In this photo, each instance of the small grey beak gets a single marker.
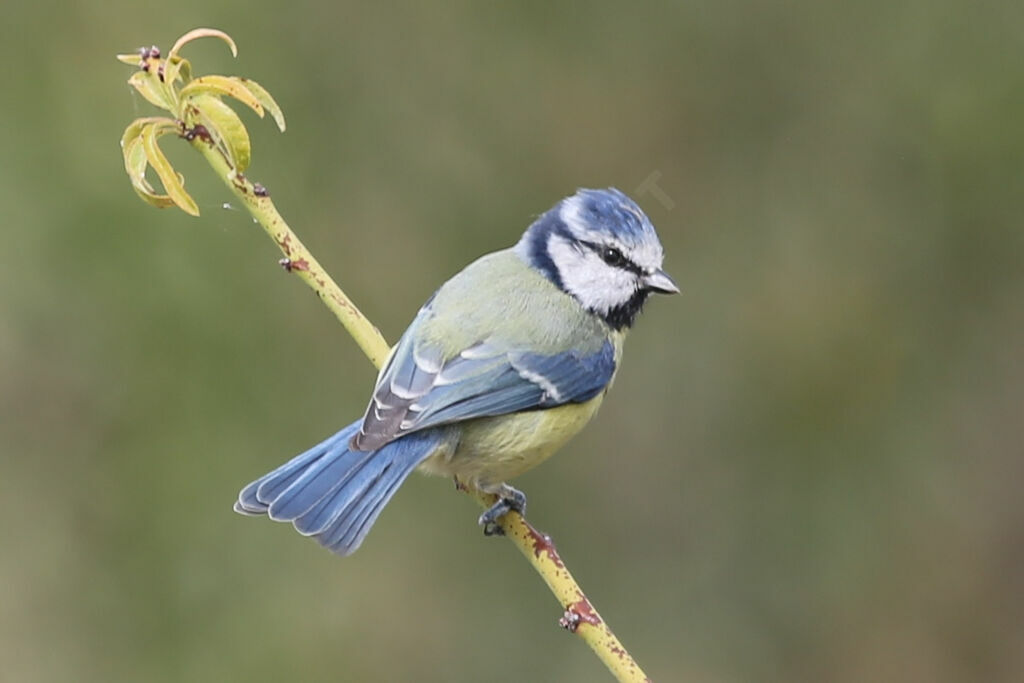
(659, 281)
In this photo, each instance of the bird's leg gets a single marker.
(509, 499)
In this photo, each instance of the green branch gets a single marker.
(200, 116)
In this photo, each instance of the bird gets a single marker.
(502, 365)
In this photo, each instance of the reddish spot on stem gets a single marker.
(286, 244)
(581, 611)
(542, 543)
(298, 264)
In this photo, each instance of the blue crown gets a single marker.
(613, 213)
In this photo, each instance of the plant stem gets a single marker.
(298, 259)
(580, 617)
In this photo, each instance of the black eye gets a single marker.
(613, 257)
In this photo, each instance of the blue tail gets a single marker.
(335, 494)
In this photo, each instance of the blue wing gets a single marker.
(420, 389)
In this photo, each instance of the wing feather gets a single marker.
(420, 390)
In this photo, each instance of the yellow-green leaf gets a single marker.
(223, 85)
(134, 128)
(266, 100)
(160, 201)
(203, 33)
(135, 163)
(135, 160)
(150, 88)
(173, 183)
(176, 67)
(225, 127)
(132, 58)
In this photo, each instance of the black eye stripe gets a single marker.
(613, 257)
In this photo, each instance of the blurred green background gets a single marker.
(810, 467)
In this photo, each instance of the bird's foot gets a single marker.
(509, 500)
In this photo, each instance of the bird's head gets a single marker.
(599, 247)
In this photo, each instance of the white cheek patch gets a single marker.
(593, 282)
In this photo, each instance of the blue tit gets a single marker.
(504, 363)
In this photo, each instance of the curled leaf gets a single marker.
(203, 33)
(151, 89)
(177, 67)
(266, 100)
(160, 201)
(226, 129)
(223, 85)
(135, 163)
(134, 128)
(135, 159)
(172, 182)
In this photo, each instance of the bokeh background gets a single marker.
(810, 467)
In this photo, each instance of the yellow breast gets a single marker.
(493, 450)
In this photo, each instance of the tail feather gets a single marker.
(339, 468)
(255, 498)
(271, 486)
(347, 533)
(347, 490)
(335, 494)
